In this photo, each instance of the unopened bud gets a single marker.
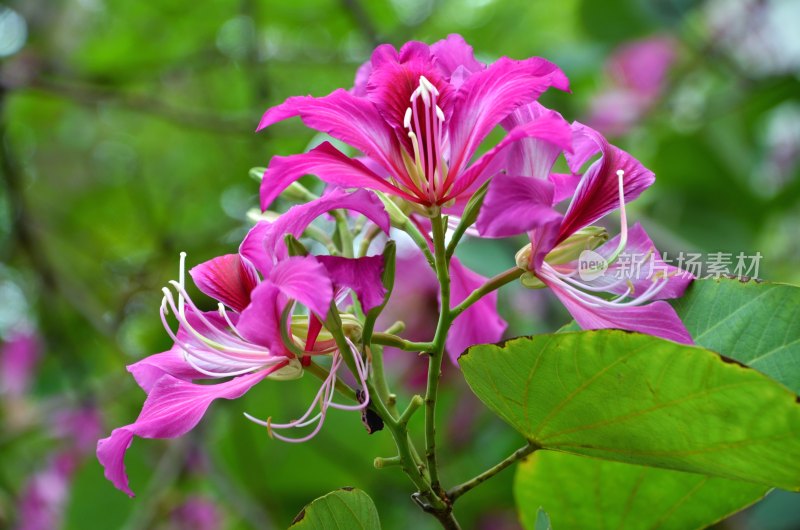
(523, 257)
(570, 249)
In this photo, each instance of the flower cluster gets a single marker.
(417, 117)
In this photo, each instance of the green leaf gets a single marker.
(643, 400)
(542, 520)
(344, 508)
(587, 493)
(755, 323)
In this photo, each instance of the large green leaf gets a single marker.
(643, 400)
(755, 323)
(344, 508)
(582, 493)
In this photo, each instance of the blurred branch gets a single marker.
(92, 95)
(362, 19)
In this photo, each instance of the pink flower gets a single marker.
(638, 71)
(520, 203)
(18, 359)
(197, 513)
(418, 115)
(44, 499)
(246, 340)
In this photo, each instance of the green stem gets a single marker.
(388, 339)
(519, 454)
(435, 361)
(345, 235)
(378, 374)
(492, 284)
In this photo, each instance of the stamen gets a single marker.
(407, 118)
(623, 218)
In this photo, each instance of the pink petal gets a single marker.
(150, 369)
(172, 409)
(535, 156)
(564, 185)
(394, 78)
(252, 248)
(327, 163)
(260, 322)
(479, 324)
(639, 264)
(549, 129)
(598, 192)
(226, 278)
(656, 318)
(514, 205)
(304, 279)
(362, 275)
(489, 96)
(453, 53)
(299, 217)
(353, 120)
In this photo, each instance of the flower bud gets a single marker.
(523, 257)
(570, 249)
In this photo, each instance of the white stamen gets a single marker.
(439, 113)
(423, 82)
(407, 118)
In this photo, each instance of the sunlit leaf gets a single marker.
(642, 400)
(584, 493)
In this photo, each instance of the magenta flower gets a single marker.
(18, 358)
(244, 341)
(197, 513)
(418, 116)
(520, 203)
(638, 72)
(44, 498)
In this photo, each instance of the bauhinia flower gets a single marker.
(418, 116)
(638, 73)
(627, 268)
(254, 334)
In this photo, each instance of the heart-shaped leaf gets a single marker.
(643, 400)
(343, 508)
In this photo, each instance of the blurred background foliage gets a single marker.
(127, 135)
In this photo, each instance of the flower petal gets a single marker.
(480, 323)
(304, 279)
(656, 318)
(551, 134)
(514, 205)
(639, 265)
(362, 275)
(297, 218)
(172, 409)
(489, 96)
(453, 53)
(150, 369)
(346, 117)
(252, 248)
(564, 185)
(327, 163)
(395, 76)
(226, 278)
(598, 191)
